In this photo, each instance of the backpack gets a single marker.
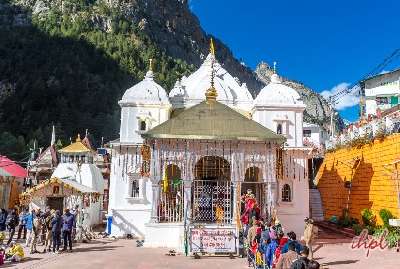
(299, 264)
(12, 220)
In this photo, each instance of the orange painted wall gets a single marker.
(373, 186)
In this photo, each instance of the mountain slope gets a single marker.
(63, 69)
(68, 62)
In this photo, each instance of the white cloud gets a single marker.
(344, 101)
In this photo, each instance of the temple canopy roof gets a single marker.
(213, 120)
(76, 147)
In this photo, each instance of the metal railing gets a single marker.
(212, 201)
(171, 203)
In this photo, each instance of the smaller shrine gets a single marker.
(75, 181)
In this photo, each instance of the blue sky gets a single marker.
(324, 44)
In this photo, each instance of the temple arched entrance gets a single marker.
(211, 191)
(170, 205)
(253, 182)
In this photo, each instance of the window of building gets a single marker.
(307, 133)
(286, 193)
(279, 128)
(142, 125)
(134, 189)
(382, 100)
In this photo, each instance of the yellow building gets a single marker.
(361, 177)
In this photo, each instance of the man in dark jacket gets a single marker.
(12, 222)
(302, 262)
(56, 225)
(68, 224)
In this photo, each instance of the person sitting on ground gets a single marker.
(15, 253)
(292, 238)
(286, 259)
(303, 261)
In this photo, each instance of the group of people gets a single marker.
(48, 228)
(267, 245)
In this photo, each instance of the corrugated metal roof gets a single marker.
(215, 121)
(10, 168)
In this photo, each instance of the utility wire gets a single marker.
(388, 60)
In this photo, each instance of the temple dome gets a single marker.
(228, 89)
(145, 92)
(276, 93)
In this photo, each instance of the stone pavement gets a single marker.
(118, 254)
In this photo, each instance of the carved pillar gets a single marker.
(236, 186)
(187, 210)
(155, 200)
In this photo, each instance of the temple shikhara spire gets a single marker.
(211, 93)
(212, 48)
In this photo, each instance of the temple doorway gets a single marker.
(211, 191)
(253, 182)
(56, 203)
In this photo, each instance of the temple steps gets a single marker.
(316, 209)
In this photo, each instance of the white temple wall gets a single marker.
(290, 118)
(129, 213)
(131, 116)
(291, 214)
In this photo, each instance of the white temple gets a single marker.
(183, 161)
(76, 180)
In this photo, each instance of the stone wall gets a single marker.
(374, 183)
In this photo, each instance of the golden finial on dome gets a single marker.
(150, 64)
(211, 93)
(274, 67)
(78, 139)
(212, 49)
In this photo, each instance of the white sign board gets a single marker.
(213, 240)
(394, 222)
